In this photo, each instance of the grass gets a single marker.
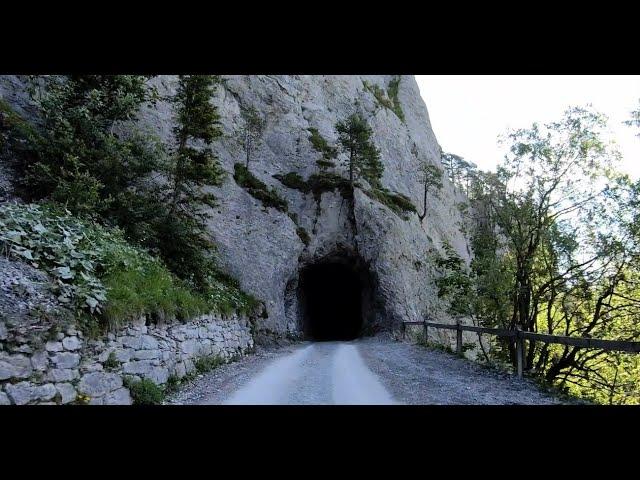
(392, 92)
(321, 145)
(258, 189)
(206, 364)
(398, 203)
(104, 280)
(147, 392)
(144, 287)
(293, 180)
(149, 289)
(201, 365)
(111, 363)
(388, 99)
(144, 392)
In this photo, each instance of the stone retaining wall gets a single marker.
(70, 368)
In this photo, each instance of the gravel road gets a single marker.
(369, 371)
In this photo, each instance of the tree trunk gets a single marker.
(351, 168)
(424, 211)
(247, 142)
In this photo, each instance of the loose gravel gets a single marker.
(412, 374)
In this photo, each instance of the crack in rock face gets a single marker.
(266, 249)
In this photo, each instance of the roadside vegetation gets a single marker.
(555, 234)
(118, 243)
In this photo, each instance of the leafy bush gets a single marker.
(321, 145)
(68, 249)
(392, 92)
(398, 203)
(323, 164)
(206, 364)
(293, 180)
(144, 392)
(388, 99)
(224, 295)
(111, 363)
(328, 182)
(318, 183)
(258, 189)
(96, 272)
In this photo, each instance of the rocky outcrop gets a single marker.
(262, 247)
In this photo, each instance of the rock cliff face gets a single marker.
(260, 245)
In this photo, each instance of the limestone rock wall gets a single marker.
(66, 367)
(259, 246)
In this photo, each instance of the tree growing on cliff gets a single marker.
(354, 135)
(88, 155)
(253, 128)
(430, 178)
(182, 241)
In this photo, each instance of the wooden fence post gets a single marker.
(426, 332)
(458, 338)
(404, 331)
(519, 352)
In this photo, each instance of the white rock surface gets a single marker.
(260, 247)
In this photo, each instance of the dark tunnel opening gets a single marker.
(333, 298)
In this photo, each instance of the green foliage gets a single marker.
(202, 365)
(460, 172)
(103, 278)
(258, 189)
(329, 182)
(304, 236)
(363, 160)
(293, 180)
(180, 230)
(555, 242)
(71, 251)
(431, 178)
(224, 295)
(388, 99)
(16, 134)
(455, 283)
(144, 392)
(321, 145)
(318, 183)
(88, 155)
(379, 94)
(139, 285)
(324, 164)
(398, 203)
(111, 363)
(392, 92)
(206, 364)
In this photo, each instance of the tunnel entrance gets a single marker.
(334, 298)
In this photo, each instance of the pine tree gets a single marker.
(183, 241)
(354, 135)
(430, 177)
(88, 155)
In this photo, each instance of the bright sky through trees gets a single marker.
(469, 112)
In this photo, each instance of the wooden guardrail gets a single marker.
(520, 336)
